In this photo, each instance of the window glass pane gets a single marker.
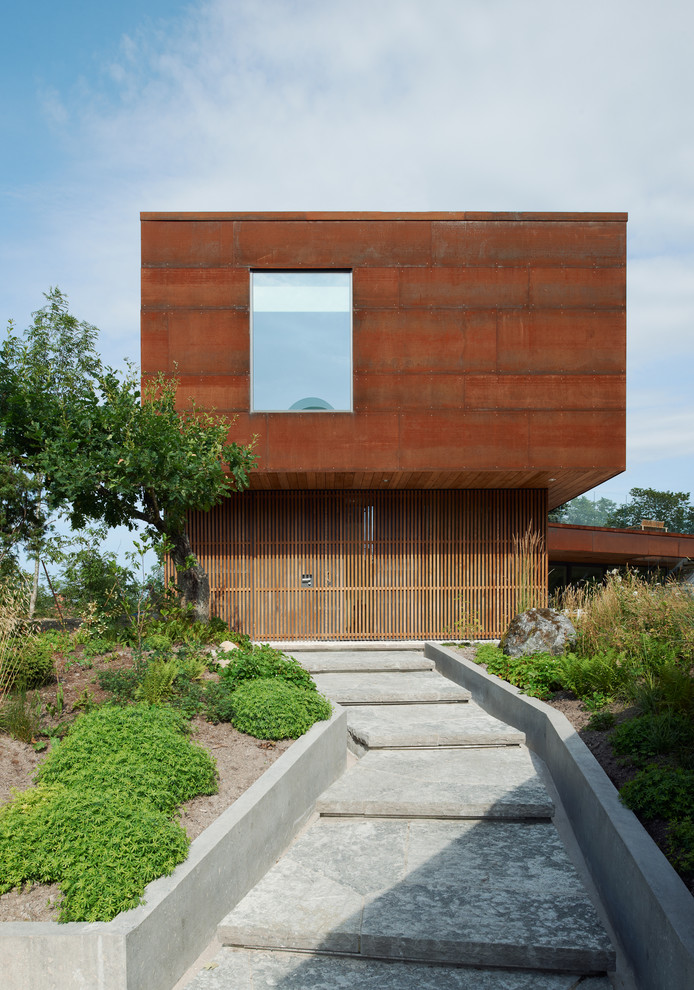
(302, 340)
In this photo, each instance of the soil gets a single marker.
(240, 760)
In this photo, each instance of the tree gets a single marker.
(672, 508)
(107, 451)
(583, 511)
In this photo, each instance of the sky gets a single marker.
(112, 109)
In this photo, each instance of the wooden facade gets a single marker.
(488, 377)
(373, 565)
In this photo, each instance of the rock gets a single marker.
(539, 630)
(228, 646)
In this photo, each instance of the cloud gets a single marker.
(658, 429)
(400, 104)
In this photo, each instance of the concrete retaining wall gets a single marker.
(153, 945)
(650, 909)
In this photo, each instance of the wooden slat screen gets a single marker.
(370, 565)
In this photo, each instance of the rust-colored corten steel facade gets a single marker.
(487, 374)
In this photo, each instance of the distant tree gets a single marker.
(104, 451)
(558, 513)
(583, 511)
(672, 508)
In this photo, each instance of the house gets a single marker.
(423, 387)
(580, 554)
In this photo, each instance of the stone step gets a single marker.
(489, 894)
(363, 661)
(399, 726)
(247, 969)
(448, 783)
(413, 687)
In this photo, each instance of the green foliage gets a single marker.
(31, 660)
(600, 721)
(660, 792)
(636, 617)
(605, 673)
(671, 688)
(157, 641)
(20, 715)
(123, 683)
(97, 646)
(99, 821)
(537, 675)
(141, 749)
(217, 702)
(681, 845)
(102, 449)
(672, 508)
(583, 511)
(266, 662)
(93, 577)
(271, 708)
(650, 735)
(103, 848)
(157, 684)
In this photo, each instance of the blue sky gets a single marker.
(109, 109)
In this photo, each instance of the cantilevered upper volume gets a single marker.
(399, 350)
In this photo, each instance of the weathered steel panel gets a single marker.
(484, 345)
(332, 244)
(527, 242)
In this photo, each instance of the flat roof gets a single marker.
(603, 545)
(474, 215)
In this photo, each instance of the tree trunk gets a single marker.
(193, 582)
(34, 589)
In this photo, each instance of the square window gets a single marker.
(301, 341)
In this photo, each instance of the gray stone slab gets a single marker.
(244, 969)
(384, 726)
(447, 783)
(389, 688)
(334, 661)
(497, 894)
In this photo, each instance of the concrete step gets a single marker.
(399, 726)
(413, 687)
(244, 969)
(448, 783)
(364, 661)
(488, 894)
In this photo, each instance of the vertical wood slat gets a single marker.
(384, 565)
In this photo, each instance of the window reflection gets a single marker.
(302, 340)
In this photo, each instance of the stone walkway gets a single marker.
(432, 863)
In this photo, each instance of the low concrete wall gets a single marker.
(153, 945)
(650, 909)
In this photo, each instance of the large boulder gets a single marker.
(539, 630)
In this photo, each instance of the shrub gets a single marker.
(20, 715)
(141, 749)
(680, 845)
(99, 820)
(537, 675)
(266, 662)
(157, 684)
(270, 708)
(646, 620)
(650, 735)
(600, 721)
(31, 662)
(217, 702)
(607, 673)
(660, 792)
(671, 688)
(102, 847)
